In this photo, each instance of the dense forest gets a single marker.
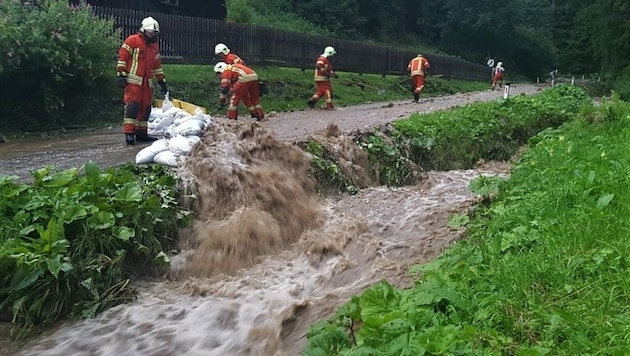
(579, 37)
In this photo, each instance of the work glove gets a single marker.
(163, 87)
(122, 80)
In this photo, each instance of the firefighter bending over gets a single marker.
(239, 83)
(225, 55)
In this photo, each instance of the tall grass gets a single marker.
(544, 270)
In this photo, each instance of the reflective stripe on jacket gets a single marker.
(323, 69)
(418, 65)
(140, 60)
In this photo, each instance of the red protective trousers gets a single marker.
(324, 89)
(418, 83)
(249, 93)
(138, 100)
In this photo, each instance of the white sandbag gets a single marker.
(171, 132)
(167, 158)
(163, 123)
(180, 119)
(172, 111)
(155, 133)
(145, 155)
(182, 145)
(190, 127)
(160, 145)
(193, 139)
(167, 104)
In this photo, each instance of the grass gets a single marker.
(544, 270)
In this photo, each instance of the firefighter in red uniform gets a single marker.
(240, 83)
(138, 61)
(225, 55)
(323, 72)
(417, 68)
(499, 71)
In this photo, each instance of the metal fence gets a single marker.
(185, 39)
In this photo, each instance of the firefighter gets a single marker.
(225, 55)
(323, 72)
(138, 61)
(239, 83)
(417, 69)
(499, 71)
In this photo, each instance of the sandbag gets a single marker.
(167, 158)
(145, 156)
(180, 145)
(190, 127)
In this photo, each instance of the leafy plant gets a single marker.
(70, 242)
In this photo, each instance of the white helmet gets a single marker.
(500, 64)
(220, 67)
(329, 51)
(221, 48)
(149, 23)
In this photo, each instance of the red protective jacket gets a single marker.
(237, 73)
(139, 60)
(323, 69)
(232, 58)
(418, 66)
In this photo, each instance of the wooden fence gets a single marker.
(185, 39)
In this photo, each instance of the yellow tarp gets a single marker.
(190, 108)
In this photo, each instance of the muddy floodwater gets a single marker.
(267, 256)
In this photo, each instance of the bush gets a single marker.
(71, 241)
(52, 53)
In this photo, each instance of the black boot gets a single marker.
(311, 104)
(145, 138)
(130, 139)
(416, 97)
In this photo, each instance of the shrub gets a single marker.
(52, 52)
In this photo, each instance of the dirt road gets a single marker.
(106, 147)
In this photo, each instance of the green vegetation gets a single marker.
(450, 139)
(71, 240)
(530, 37)
(543, 270)
(52, 64)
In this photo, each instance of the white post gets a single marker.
(573, 80)
(537, 80)
(506, 91)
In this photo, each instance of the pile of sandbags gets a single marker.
(178, 130)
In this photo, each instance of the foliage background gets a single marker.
(530, 37)
(53, 57)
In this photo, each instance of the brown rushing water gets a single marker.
(268, 258)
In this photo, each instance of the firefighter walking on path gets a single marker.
(138, 61)
(323, 72)
(225, 55)
(239, 83)
(499, 71)
(417, 68)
